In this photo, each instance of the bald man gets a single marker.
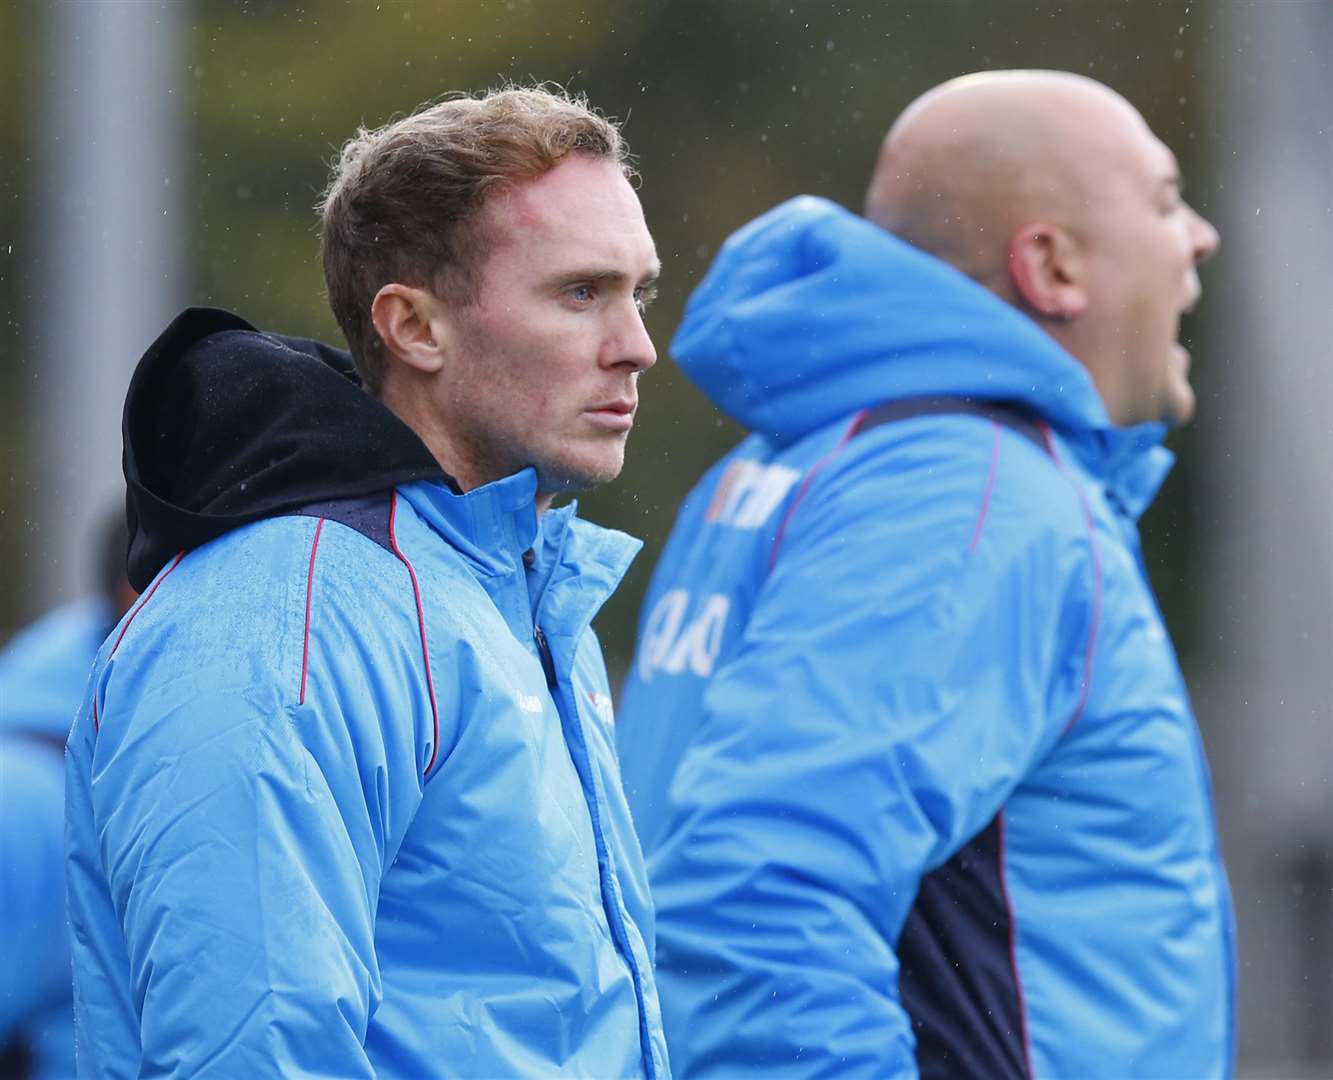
(905, 737)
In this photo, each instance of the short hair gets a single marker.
(404, 201)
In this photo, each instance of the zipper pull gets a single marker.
(544, 651)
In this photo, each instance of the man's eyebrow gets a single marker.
(603, 274)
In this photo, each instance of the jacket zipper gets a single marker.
(544, 651)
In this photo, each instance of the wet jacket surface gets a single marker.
(905, 737)
(43, 672)
(336, 807)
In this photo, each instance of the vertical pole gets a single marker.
(109, 230)
(1267, 704)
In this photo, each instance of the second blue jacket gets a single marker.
(905, 735)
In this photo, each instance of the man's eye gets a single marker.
(581, 294)
(645, 295)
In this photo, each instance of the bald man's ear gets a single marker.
(1047, 271)
(411, 323)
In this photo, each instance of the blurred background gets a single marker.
(158, 154)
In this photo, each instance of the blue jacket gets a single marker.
(905, 737)
(43, 672)
(343, 799)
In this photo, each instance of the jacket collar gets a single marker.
(1129, 462)
(491, 526)
(575, 566)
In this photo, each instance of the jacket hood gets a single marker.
(225, 425)
(810, 313)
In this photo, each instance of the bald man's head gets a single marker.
(1041, 185)
(972, 159)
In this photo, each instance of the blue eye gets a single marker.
(581, 294)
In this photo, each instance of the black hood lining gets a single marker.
(225, 425)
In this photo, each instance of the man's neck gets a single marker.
(463, 462)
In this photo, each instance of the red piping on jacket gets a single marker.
(852, 429)
(1090, 654)
(309, 589)
(143, 602)
(990, 486)
(421, 623)
(1013, 947)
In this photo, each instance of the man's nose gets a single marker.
(632, 346)
(1203, 236)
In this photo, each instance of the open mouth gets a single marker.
(1178, 346)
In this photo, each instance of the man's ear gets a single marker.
(411, 323)
(1047, 270)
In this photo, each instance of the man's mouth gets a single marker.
(615, 415)
(1192, 297)
(1178, 348)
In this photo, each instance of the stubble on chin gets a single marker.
(571, 477)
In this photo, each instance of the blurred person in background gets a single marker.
(905, 738)
(43, 672)
(343, 796)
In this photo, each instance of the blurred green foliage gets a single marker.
(730, 106)
(16, 81)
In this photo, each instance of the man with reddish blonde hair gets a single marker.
(404, 198)
(342, 797)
